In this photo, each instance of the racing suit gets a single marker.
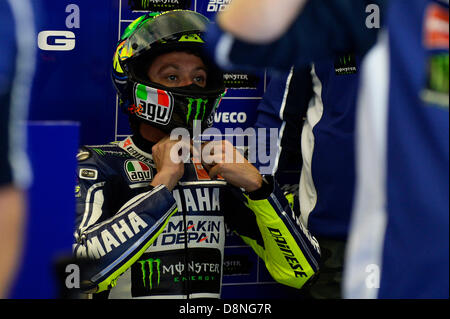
(147, 242)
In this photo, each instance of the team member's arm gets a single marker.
(319, 30)
(17, 64)
(264, 219)
(258, 21)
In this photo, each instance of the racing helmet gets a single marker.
(145, 101)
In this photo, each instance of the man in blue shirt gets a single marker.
(16, 72)
(399, 229)
(313, 108)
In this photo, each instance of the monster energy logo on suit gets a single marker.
(149, 268)
(345, 64)
(437, 88)
(166, 272)
(158, 5)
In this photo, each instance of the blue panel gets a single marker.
(50, 218)
(75, 85)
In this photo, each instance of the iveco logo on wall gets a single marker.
(61, 40)
(230, 117)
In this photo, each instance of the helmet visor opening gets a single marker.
(139, 66)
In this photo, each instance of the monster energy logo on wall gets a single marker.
(345, 64)
(150, 268)
(200, 108)
(158, 5)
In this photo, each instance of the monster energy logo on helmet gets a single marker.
(200, 108)
(151, 268)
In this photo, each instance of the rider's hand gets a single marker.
(222, 158)
(169, 164)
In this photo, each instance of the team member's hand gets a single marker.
(222, 158)
(169, 165)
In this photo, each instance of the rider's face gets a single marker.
(176, 69)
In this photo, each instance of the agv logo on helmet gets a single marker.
(154, 105)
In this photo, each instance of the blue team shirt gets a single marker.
(331, 140)
(7, 71)
(414, 259)
(333, 160)
(17, 63)
(416, 245)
